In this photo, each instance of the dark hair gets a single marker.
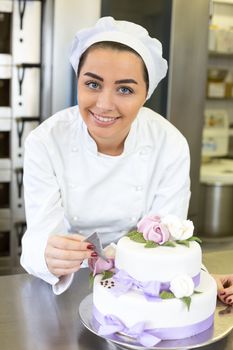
(115, 46)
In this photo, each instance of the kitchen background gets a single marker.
(36, 80)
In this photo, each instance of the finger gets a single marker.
(74, 236)
(64, 272)
(219, 281)
(221, 298)
(61, 254)
(229, 300)
(79, 238)
(64, 264)
(67, 243)
(228, 291)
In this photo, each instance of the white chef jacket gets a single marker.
(70, 187)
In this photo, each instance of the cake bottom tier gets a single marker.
(168, 319)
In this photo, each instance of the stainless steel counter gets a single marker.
(33, 318)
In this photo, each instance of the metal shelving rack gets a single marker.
(20, 101)
(222, 17)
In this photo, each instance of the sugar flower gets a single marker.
(99, 265)
(182, 286)
(179, 229)
(153, 229)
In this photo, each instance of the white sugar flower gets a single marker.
(174, 225)
(188, 229)
(182, 286)
(110, 251)
(179, 229)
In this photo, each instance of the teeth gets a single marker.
(104, 119)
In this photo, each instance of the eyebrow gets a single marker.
(121, 81)
(95, 76)
(126, 81)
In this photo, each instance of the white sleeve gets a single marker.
(44, 212)
(173, 194)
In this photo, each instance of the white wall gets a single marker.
(69, 17)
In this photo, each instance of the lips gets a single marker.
(103, 120)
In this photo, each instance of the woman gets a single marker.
(104, 164)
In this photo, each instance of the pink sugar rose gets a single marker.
(99, 265)
(153, 230)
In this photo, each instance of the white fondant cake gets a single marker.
(155, 293)
(158, 264)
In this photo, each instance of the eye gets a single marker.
(93, 85)
(124, 90)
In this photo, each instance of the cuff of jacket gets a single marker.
(63, 284)
(33, 260)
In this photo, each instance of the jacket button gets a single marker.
(144, 151)
(74, 149)
(75, 218)
(138, 188)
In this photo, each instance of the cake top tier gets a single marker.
(161, 263)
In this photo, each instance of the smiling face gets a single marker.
(111, 90)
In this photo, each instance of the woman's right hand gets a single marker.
(65, 254)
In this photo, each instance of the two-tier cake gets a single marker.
(153, 286)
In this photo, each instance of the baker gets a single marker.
(105, 163)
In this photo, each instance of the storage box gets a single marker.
(215, 138)
(216, 89)
(216, 85)
(224, 41)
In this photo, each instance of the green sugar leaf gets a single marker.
(131, 233)
(186, 301)
(184, 242)
(196, 239)
(197, 292)
(107, 274)
(136, 237)
(151, 244)
(91, 280)
(166, 295)
(168, 244)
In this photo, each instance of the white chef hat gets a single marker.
(127, 33)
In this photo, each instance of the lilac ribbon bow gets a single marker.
(125, 282)
(111, 324)
(151, 289)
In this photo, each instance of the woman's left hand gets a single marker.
(225, 288)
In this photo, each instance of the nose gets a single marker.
(105, 100)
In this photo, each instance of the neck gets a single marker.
(113, 149)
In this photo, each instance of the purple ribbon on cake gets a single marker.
(110, 324)
(151, 289)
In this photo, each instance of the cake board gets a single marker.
(223, 325)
